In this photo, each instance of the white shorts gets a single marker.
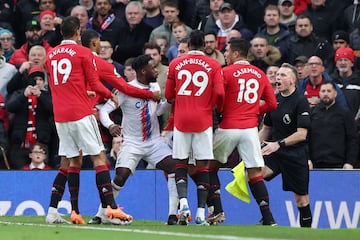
(152, 152)
(200, 143)
(245, 140)
(79, 135)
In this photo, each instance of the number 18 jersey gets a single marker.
(195, 82)
(245, 86)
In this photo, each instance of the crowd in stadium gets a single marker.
(320, 38)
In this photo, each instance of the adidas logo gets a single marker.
(104, 190)
(263, 203)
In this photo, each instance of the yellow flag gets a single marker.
(238, 187)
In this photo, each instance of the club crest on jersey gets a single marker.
(286, 119)
(139, 104)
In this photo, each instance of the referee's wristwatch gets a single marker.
(281, 143)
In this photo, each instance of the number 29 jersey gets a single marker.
(72, 71)
(195, 82)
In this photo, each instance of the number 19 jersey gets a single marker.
(72, 71)
(195, 82)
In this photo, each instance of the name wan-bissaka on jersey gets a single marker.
(69, 51)
(193, 61)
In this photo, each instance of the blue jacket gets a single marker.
(340, 98)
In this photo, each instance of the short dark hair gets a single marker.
(151, 45)
(196, 39)
(184, 40)
(331, 83)
(69, 26)
(240, 45)
(140, 62)
(211, 33)
(87, 36)
(41, 146)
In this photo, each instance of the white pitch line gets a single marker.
(123, 229)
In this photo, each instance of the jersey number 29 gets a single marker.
(194, 79)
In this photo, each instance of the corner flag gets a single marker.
(238, 187)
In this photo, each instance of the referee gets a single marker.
(283, 137)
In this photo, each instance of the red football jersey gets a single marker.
(245, 86)
(72, 71)
(107, 73)
(195, 82)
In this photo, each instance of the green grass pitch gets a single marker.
(34, 228)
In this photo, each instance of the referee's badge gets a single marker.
(287, 119)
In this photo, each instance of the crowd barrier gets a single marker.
(334, 197)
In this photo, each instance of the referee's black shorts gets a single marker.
(292, 163)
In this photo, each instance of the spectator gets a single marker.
(234, 33)
(305, 43)
(179, 32)
(352, 17)
(33, 36)
(129, 72)
(33, 118)
(300, 6)
(50, 30)
(287, 15)
(37, 55)
(252, 11)
(228, 20)
(183, 47)
(162, 41)
(170, 10)
(63, 7)
(106, 51)
(210, 48)
(118, 7)
(134, 33)
(81, 13)
(88, 6)
(7, 71)
(200, 11)
(7, 14)
(333, 137)
(105, 22)
(324, 17)
(271, 75)
(47, 5)
(276, 34)
(301, 67)
(7, 41)
(210, 20)
(153, 16)
(38, 156)
(261, 54)
(347, 79)
(310, 86)
(25, 11)
(339, 39)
